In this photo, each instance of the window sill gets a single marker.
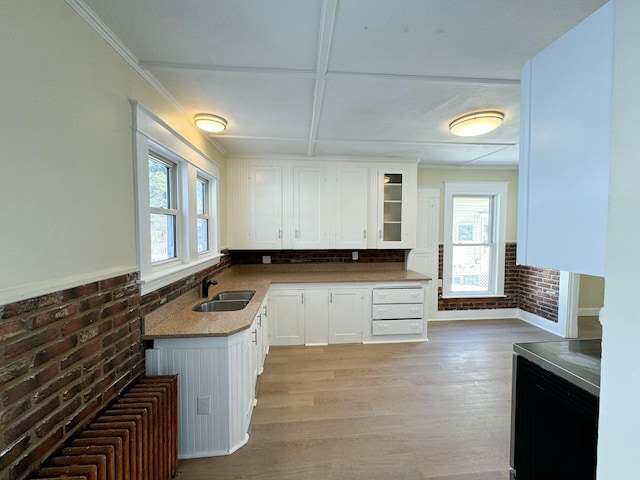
(167, 276)
(480, 295)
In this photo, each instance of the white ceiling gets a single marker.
(345, 78)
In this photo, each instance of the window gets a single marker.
(475, 226)
(163, 209)
(176, 194)
(202, 211)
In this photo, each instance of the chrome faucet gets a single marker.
(205, 286)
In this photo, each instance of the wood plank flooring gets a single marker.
(437, 410)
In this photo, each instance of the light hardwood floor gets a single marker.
(437, 410)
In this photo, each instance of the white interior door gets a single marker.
(424, 258)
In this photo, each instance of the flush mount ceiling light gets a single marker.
(476, 123)
(210, 123)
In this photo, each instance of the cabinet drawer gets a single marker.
(398, 295)
(397, 327)
(402, 310)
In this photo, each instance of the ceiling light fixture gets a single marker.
(210, 123)
(476, 123)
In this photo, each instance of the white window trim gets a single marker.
(499, 190)
(151, 134)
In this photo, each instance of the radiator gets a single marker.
(136, 438)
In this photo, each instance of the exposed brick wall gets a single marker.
(64, 357)
(539, 291)
(162, 296)
(246, 257)
(527, 288)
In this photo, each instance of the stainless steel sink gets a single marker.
(221, 306)
(235, 295)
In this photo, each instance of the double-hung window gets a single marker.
(176, 196)
(475, 226)
(163, 209)
(202, 212)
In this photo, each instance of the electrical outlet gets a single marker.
(203, 405)
(266, 259)
(354, 255)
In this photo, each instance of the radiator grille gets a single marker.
(134, 439)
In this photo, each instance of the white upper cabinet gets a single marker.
(564, 149)
(352, 207)
(265, 207)
(310, 210)
(290, 204)
(395, 222)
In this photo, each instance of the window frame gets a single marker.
(497, 192)
(153, 137)
(173, 210)
(206, 214)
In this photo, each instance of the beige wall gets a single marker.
(67, 184)
(435, 177)
(591, 292)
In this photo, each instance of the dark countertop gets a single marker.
(577, 361)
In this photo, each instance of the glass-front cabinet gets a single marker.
(396, 210)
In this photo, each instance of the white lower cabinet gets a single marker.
(216, 386)
(398, 313)
(286, 319)
(317, 315)
(348, 314)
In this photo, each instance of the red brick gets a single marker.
(55, 386)
(11, 328)
(114, 308)
(25, 306)
(68, 409)
(53, 350)
(125, 317)
(29, 343)
(95, 301)
(115, 336)
(29, 384)
(13, 371)
(80, 291)
(11, 454)
(80, 353)
(35, 456)
(54, 315)
(76, 324)
(13, 433)
(8, 415)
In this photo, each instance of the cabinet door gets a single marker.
(264, 309)
(265, 207)
(347, 315)
(352, 207)
(309, 208)
(315, 316)
(396, 219)
(286, 317)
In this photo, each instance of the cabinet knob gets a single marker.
(364, 234)
(280, 233)
(296, 233)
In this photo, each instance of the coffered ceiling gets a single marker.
(345, 78)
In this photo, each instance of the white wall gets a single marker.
(66, 184)
(435, 177)
(620, 388)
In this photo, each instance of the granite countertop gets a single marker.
(177, 320)
(577, 361)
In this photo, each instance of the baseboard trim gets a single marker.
(484, 314)
(498, 314)
(589, 312)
